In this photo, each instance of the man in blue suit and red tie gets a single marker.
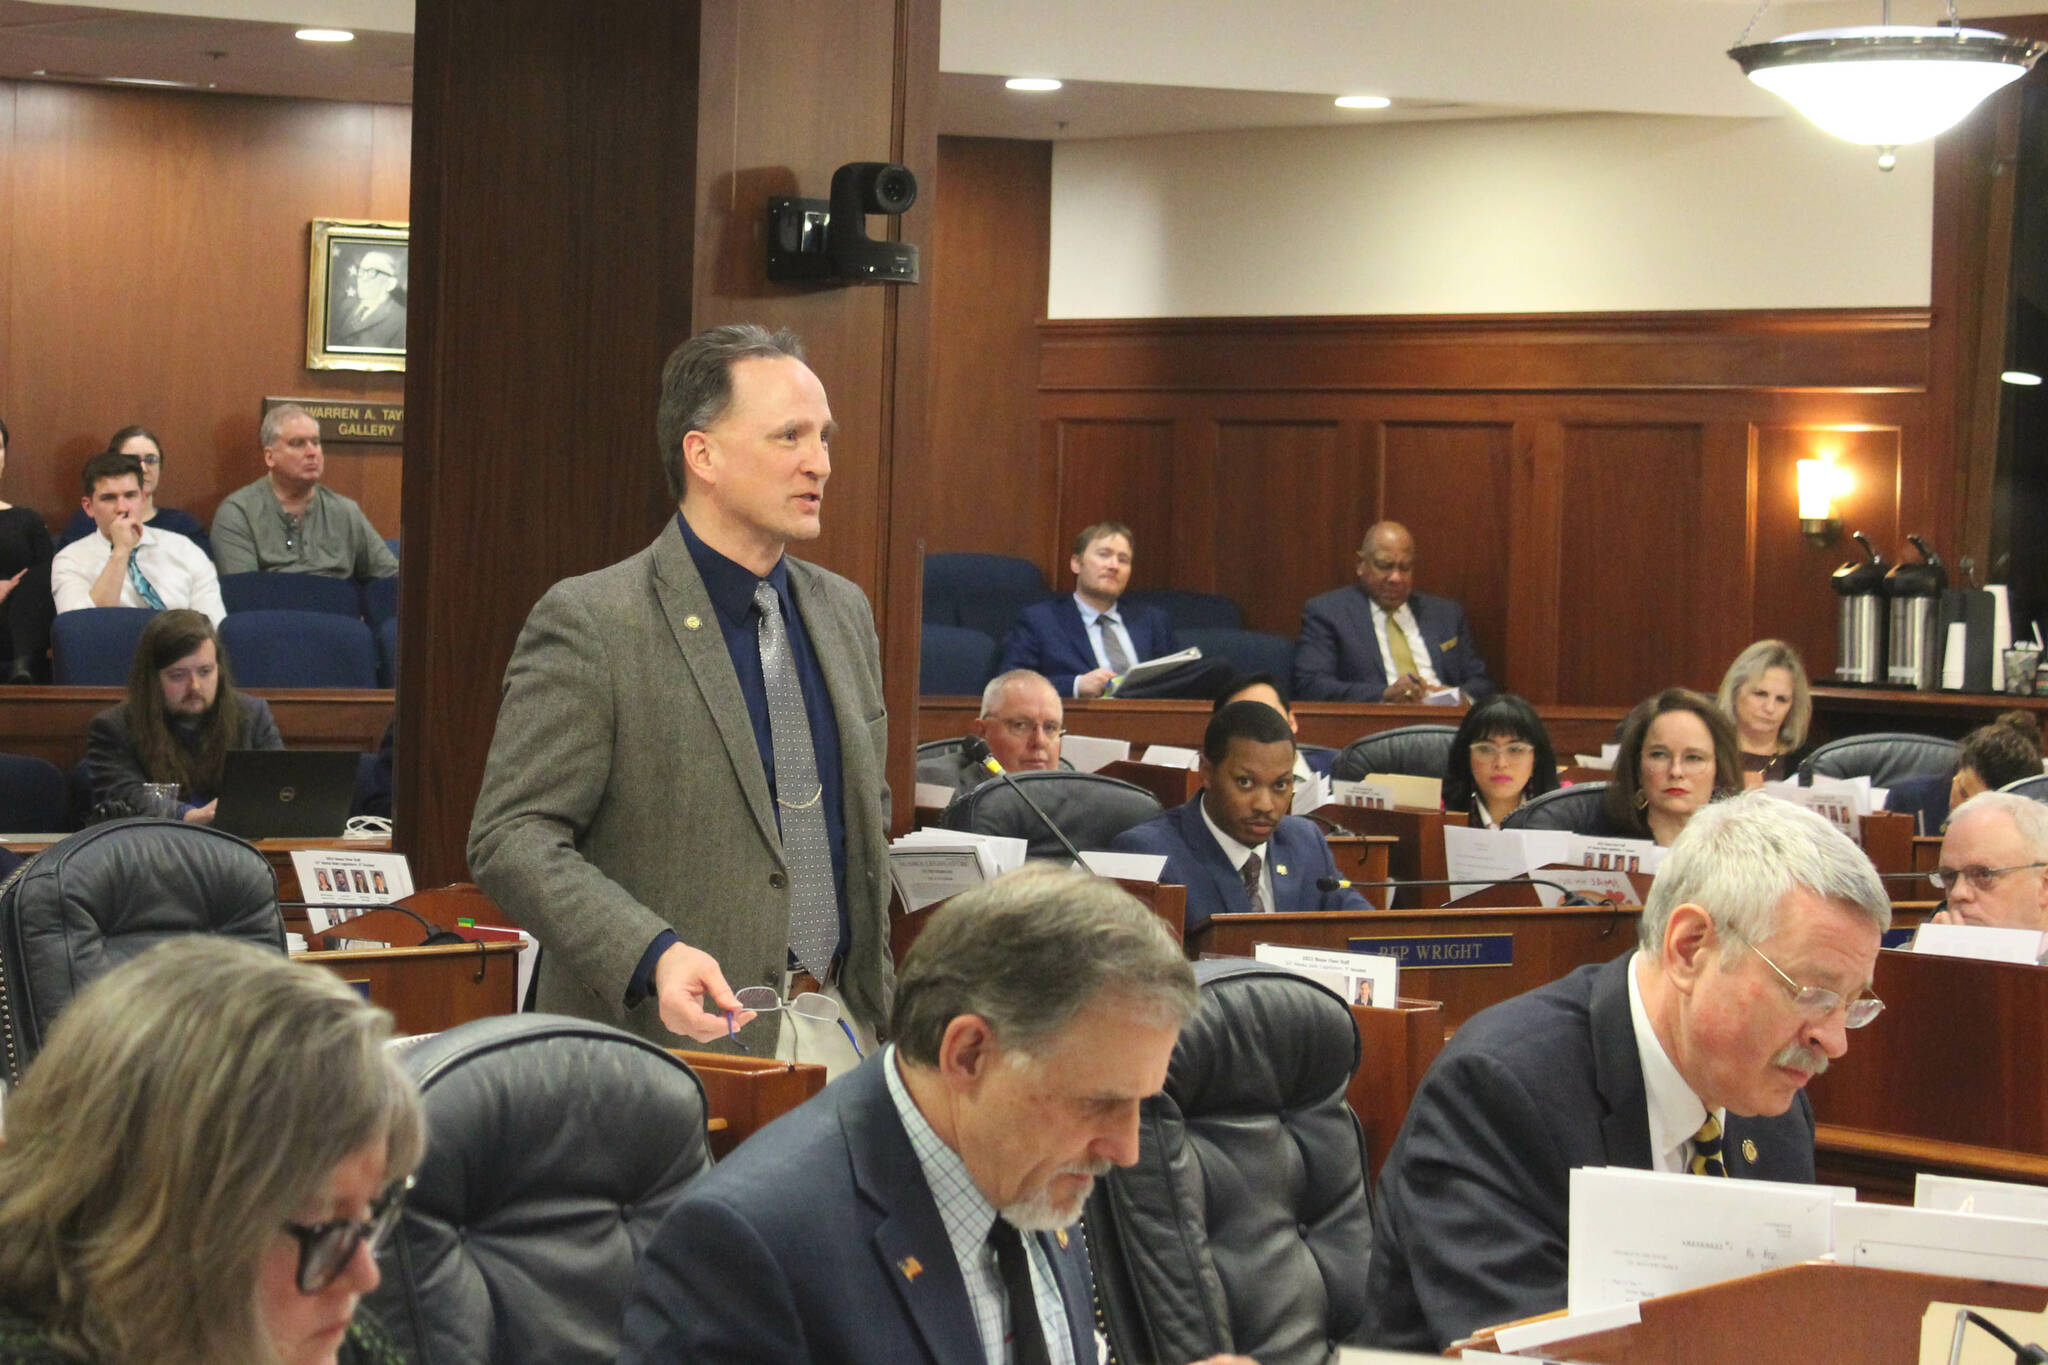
(1380, 640)
(1235, 847)
(1081, 642)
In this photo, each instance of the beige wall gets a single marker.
(1559, 214)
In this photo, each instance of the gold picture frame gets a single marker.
(357, 276)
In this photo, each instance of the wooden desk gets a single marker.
(1364, 858)
(1395, 1047)
(1417, 851)
(430, 989)
(1170, 787)
(749, 1093)
(1544, 945)
(49, 722)
(1168, 902)
(1959, 1057)
(278, 852)
(1842, 711)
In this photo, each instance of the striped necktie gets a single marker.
(140, 584)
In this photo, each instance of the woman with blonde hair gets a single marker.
(1765, 693)
(200, 1165)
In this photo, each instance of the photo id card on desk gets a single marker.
(337, 884)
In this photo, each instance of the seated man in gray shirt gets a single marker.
(288, 521)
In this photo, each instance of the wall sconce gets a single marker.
(1820, 483)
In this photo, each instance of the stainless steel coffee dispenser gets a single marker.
(1859, 630)
(1913, 592)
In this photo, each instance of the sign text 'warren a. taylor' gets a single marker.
(349, 420)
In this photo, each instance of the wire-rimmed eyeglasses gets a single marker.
(810, 1005)
(1817, 1002)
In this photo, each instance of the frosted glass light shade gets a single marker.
(1887, 85)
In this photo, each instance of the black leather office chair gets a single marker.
(1580, 809)
(554, 1148)
(34, 796)
(2033, 788)
(1414, 750)
(1092, 809)
(1883, 758)
(1244, 1224)
(92, 901)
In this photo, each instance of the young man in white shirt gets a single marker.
(127, 563)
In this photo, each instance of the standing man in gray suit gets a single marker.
(685, 793)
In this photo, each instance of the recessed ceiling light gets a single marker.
(324, 35)
(2024, 378)
(1363, 101)
(1035, 84)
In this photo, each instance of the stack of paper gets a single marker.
(1937, 1242)
(1361, 978)
(1150, 669)
(1091, 755)
(929, 865)
(1478, 858)
(1843, 801)
(1637, 1234)
(1313, 794)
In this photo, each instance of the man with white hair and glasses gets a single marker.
(1689, 1054)
(1994, 863)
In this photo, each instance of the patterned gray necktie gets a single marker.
(1254, 889)
(799, 798)
(1112, 647)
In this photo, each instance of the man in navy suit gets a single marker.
(1081, 642)
(1380, 640)
(1234, 846)
(919, 1210)
(1689, 1054)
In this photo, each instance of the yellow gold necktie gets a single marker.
(1397, 645)
(1706, 1149)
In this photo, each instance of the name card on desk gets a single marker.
(1091, 755)
(1442, 950)
(1931, 1242)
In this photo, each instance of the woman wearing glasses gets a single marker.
(198, 1167)
(1677, 753)
(142, 443)
(1500, 758)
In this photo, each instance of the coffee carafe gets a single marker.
(1913, 592)
(1859, 629)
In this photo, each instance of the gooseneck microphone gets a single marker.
(976, 749)
(1571, 897)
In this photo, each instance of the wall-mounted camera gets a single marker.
(827, 239)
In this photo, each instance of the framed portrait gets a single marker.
(355, 295)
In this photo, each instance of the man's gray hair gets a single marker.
(992, 695)
(274, 420)
(1028, 952)
(2028, 816)
(696, 385)
(1738, 859)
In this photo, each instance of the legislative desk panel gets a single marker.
(278, 852)
(49, 722)
(430, 989)
(1466, 958)
(1842, 711)
(1953, 1075)
(742, 1095)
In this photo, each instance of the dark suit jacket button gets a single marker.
(777, 880)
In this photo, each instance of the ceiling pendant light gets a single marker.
(1886, 84)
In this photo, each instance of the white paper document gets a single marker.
(1616, 855)
(1170, 756)
(928, 865)
(935, 795)
(1091, 755)
(338, 885)
(1590, 882)
(1994, 1198)
(1600, 762)
(1152, 668)
(1417, 793)
(1370, 795)
(1934, 1242)
(1979, 941)
(1313, 794)
(1131, 867)
(1479, 858)
(1638, 1234)
(1361, 978)
(1528, 1336)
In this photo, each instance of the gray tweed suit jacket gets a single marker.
(624, 793)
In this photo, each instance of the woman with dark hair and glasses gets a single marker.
(142, 443)
(200, 1166)
(1500, 757)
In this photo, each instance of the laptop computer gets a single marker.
(286, 793)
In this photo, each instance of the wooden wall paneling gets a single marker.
(1537, 528)
(991, 212)
(1451, 484)
(11, 337)
(1719, 615)
(1115, 471)
(1793, 601)
(1630, 588)
(1285, 513)
(554, 160)
(157, 274)
(1201, 521)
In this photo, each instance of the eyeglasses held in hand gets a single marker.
(810, 1005)
(325, 1249)
(1817, 1003)
(1983, 878)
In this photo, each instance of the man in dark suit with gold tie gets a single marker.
(1689, 1054)
(1380, 640)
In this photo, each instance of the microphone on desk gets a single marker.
(976, 749)
(436, 935)
(1571, 897)
(2022, 1355)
